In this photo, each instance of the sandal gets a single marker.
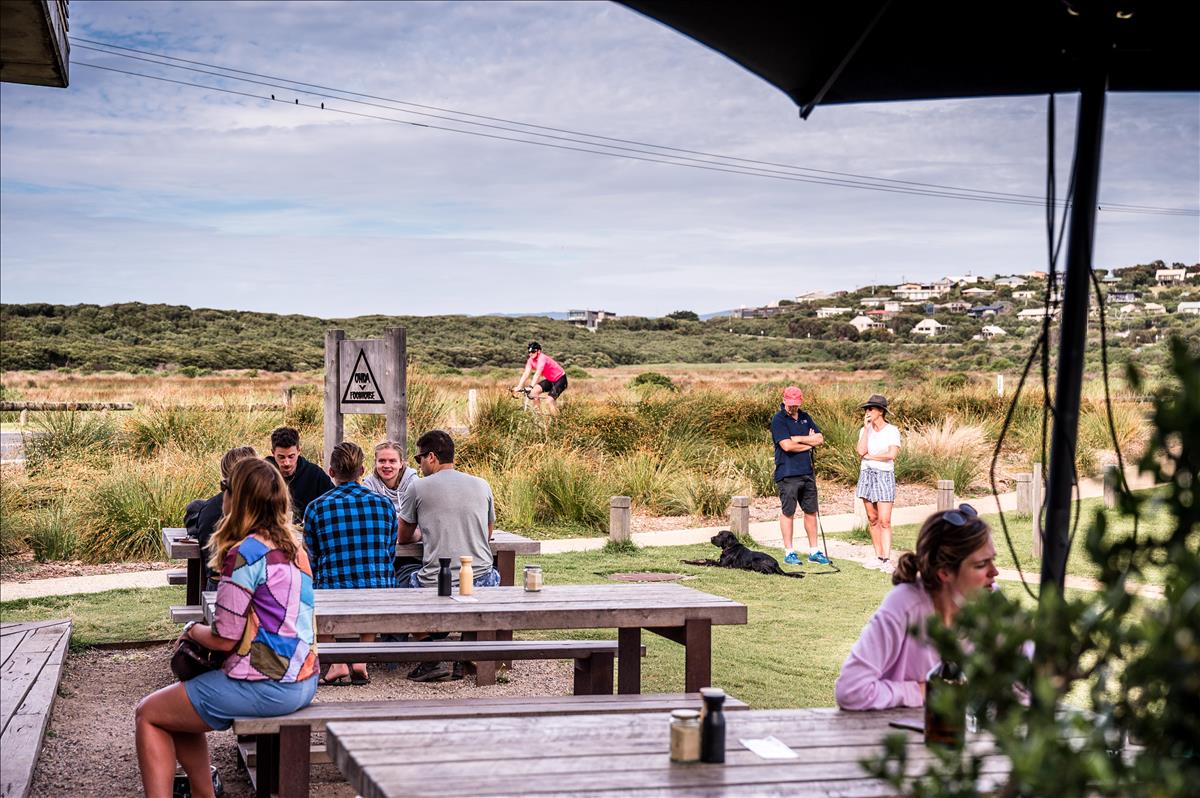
(337, 681)
(359, 678)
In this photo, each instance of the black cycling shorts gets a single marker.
(554, 389)
(798, 490)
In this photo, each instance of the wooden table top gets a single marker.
(604, 606)
(501, 541)
(608, 755)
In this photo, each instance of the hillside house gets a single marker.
(1035, 275)
(990, 331)
(1188, 307)
(828, 313)
(929, 327)
(978, 293)
(872, 301)
(1154, 309)
(863, 323)
(1010, 282)
(589, 319)
(1037, 313)
(1122, 297)
(916, 292)
(954, 306)
(1170, 276)
(963, 279)
(1024, 295)
(1126, 310)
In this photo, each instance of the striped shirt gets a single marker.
(350, 533)
(265, 602)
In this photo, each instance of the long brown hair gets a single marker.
(233, 457)
(259, 504)
(940, 544)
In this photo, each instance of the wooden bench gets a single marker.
(31, 660)
(182, 613)
(279, 755)
(593, 658)
(177, 577)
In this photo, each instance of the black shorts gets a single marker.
(554, 389)
(802, 490)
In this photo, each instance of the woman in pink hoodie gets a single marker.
(886, 667)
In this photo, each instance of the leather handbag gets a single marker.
(190, 659)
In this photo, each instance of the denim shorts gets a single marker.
(490, 578)
(218, 699)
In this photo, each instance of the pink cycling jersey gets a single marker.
(551, 371)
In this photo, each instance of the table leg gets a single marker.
(294, 760)
(697, 654)
(485, 672)
(194, 572)
(506, 564)
(266, 766)
(629, 660)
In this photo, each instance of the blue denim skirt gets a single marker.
(218, 699)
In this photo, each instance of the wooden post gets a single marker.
(395, 385)
(739, 516)
(1024, 505)
(334, 428)
(472, 406)
(24, 417)
(945, 495)
(999, 385)
(286, 392)
(1037, 493)
(1112, 485)
(618, 519)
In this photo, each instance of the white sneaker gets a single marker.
(887, 567)
(872, 564)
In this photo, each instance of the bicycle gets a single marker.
(525, 392)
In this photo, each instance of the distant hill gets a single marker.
(559, 315)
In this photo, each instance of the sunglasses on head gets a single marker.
(964, 515)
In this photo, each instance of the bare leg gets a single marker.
(873, 523)
(361, 667)
(337, 669)
(167, 728)
(537, 395)
(885, 529)
(551, 406)
(785, 530)
(810, 529)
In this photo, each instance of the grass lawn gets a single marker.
(788, 655)
(1155, 521)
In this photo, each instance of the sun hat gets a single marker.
(792, 395)
(876, 400)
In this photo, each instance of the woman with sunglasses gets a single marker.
(878, 446)
(547, 379)
(263, 618)
(886, 667)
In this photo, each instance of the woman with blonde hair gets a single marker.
(263, 618)
(887, 666)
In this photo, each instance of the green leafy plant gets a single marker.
(53, 533)
(652, 379)
(1132, 662)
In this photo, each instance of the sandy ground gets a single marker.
(90, 742)
(23, 568)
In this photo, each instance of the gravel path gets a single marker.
(89, 749)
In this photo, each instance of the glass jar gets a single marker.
(533, 578)
(685, 735)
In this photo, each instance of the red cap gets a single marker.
(792, 395)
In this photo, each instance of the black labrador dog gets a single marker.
(735, 555)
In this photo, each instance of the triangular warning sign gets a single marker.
(361, 387)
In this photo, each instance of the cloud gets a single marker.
(123, 188)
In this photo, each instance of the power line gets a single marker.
(870, 178)
(622, 153)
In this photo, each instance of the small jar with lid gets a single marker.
(533, 578)
(685, 736)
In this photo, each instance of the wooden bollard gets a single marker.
(24, 417)
(1036, 492)
(1112, 485)
(618, 519)
(999, 385)
(1024, 496)
(945, 495)
(739, 515)
(472, 406)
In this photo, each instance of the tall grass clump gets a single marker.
(53, 533)
(1129, 421)
(570, 493)
(756, 464)
(949, 450)
(647, 479)
(429, 407)
(131, 503)
(515, 495)
(191, 429)
(708, 495)
(67, 434)
(14, 500)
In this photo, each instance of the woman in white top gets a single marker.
(878, 445)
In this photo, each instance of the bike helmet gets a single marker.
(534, 346)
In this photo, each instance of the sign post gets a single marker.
(366, 376)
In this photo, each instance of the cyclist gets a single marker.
(548, 381)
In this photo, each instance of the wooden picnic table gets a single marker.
(675, 612)
(628, 754)
(505, 546)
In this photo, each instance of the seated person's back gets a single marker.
(350, 532)
(454, 511)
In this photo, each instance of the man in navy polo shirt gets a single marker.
(795, 434)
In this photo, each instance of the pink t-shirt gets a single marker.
(552, 371)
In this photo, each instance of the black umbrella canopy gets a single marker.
(873, 50)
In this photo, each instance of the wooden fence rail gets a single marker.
(9, 406)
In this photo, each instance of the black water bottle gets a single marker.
(712, 726)
(443, 576)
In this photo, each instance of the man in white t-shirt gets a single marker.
(878, 446)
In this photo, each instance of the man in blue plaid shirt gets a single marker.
(350, 534)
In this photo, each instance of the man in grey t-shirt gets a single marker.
(455, 513)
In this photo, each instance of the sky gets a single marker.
(124, 188)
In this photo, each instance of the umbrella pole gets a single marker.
(1089, 136)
